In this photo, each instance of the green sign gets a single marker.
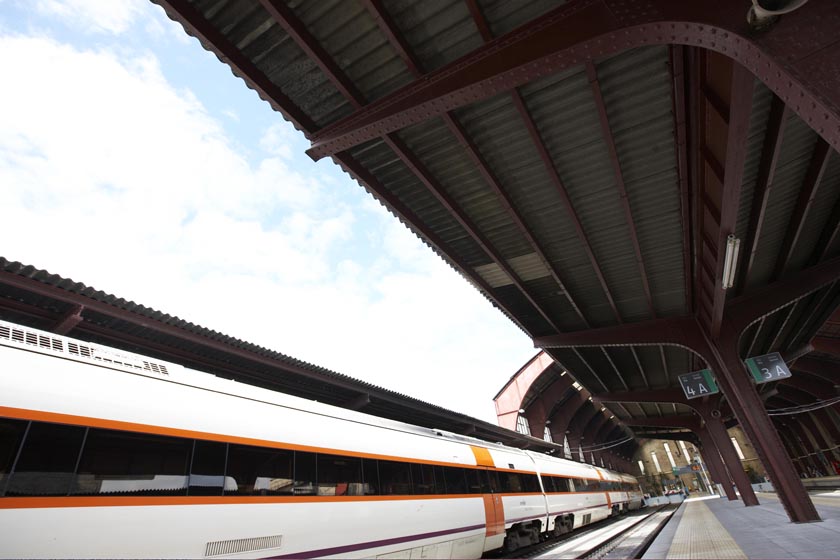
(767, 368)
(698, 384)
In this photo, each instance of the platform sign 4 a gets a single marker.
(770, 367)
(698, 384)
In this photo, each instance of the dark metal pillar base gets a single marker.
(749, 409)
(720, 436)
(717, 470)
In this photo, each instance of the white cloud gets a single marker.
(121, 181)
(93, 16)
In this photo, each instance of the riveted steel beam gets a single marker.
(740, 93)
(398, 42)
(676, 64)
(555, 179)
(807, 192)
(589, 29)
(770, 151)
(673, 330)
(609, 142)
(69, 320)
(297, 31)
(689, 421)
(746, 309)
(395, 37)
(389, 28)
(749, 409)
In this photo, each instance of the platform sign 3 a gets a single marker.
(698, 384)
(770, 367)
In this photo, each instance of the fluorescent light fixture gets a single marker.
(730, 261)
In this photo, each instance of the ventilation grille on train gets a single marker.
(31, 339)
(219, 548)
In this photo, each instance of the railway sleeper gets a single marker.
(522, 534)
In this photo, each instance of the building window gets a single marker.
(522, 425)
(655, 461)
(641, 467)
(738, 449)
(547, 435)
(670, 456)
(567, 451)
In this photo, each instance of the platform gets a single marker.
(713, 527)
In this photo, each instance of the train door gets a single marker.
(494, 513)
(494, 509)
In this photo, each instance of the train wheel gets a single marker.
(558, 529)
(512, 541)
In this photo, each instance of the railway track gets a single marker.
(623, 537)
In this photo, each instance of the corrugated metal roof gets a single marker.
(143, 334)
(797, 147)
(636, 88)
(439, 31)
(646, 92)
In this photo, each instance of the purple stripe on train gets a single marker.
(375, 544)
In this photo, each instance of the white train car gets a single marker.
(104, 453)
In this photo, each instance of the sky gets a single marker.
(133, 161)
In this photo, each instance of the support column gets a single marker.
(794, 453)
(752, 416)
(807, 422)
(574, 445)
(730, 458)
(797, 434)
(829, 430)
(536, 415)
(717, 470)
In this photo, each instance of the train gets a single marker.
(110, 454)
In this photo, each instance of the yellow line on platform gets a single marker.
(700, 535)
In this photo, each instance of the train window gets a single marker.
(511, 482)
(476, 481)
(257, 471)
(395, 478)
(493, 484)
(118, 463)
(305, 474)
(550, 483)
(562, 484)
(11, 434)
(423, 477)
(339, 475)
(47, 461)
(530, 483)
(207, 471)
(456, 481)
(440, 484)
(370, 475)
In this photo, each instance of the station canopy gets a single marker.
(585, 165)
